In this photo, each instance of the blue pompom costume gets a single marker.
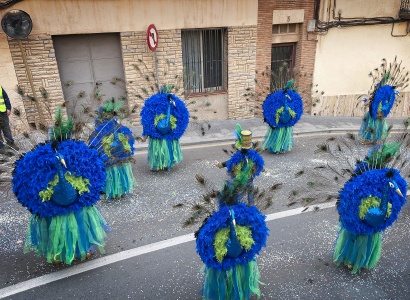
(368, 203)
(281, 110)
(115, 144)
(231, 238)
(164, 118)
(59, 183)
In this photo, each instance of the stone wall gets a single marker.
(40, 56)
(136, 54)
(241, 70)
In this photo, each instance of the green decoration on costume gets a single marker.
(238, 143)
(124, 140)
(243, 233)
(380, 158)
(348, 245)
(280, 110)
(243, 175)
(172, 120)
(369, 202)
(278, 140)
(48, 192)
(107, 141)
(61, 239)
(62, 128)
(159, 156)
(119, 181)
(79, 183)
(244, 276)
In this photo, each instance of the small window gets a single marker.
(292, 28)
(285, 28)
(203, 55)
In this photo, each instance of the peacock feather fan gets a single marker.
(156, 108)
(36, 174)
(388, 79)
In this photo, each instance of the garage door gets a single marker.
(87, 64)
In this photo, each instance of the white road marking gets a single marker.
(123, 255)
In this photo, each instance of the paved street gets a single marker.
(150, 256)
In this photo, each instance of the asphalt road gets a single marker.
(150, 256)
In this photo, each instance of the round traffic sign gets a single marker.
(152, 37)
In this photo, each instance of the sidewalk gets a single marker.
(222, 130)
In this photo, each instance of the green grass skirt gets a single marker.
(163, 154)
(119, 181)
(64, 238)
(278, 140)
(238, 283)
(357, 251)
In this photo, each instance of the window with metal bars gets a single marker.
(204, 63)
(282, 65)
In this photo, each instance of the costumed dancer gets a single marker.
(231, 238)
(164, 118)
(245, 161)
(59, 182)
(368, 203)
(281, 110)
(115, 145)
(386, 82)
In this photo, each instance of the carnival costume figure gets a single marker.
(368, 204)
(281, 110)
(230, 239)
(245, 162)
(164, 118)
(60, 182)
(115, 144)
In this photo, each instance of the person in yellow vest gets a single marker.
(5, 110)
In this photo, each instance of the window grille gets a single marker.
(204, 63)
(282, 64)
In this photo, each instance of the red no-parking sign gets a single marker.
(152, 37)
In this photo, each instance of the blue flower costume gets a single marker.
(164, 118)
(231, 238)
(115, 144)
(368, 203)
(281, 110)
(59, 183)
